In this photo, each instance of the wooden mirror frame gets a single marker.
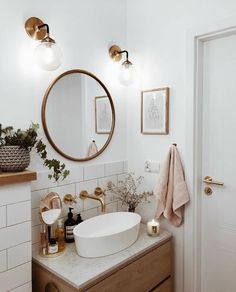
(43, 115)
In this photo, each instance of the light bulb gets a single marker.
(48, 56)
(127, 73)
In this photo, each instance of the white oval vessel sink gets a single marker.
(106, 234)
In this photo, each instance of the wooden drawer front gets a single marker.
(166, 286)
(42, 277)
(141, 275)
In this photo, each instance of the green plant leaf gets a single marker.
(28, 139)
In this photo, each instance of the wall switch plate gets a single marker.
(152, 166)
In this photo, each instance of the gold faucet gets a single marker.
(98, 196)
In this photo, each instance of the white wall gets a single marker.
(84, 30)
(156, 35)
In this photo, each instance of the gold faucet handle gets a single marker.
(70, 199)
(83, 194)
(98, 192)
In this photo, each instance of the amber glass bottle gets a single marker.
(60, 235)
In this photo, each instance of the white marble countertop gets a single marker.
(79, 272)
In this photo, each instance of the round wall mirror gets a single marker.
(78, 115)
(50, 208)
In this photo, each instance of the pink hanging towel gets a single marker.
(171, 192)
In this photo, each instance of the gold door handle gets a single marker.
(210, 181)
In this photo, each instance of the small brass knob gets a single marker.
(98, 191)
(208, 191)
(83, 194)
(70, 199)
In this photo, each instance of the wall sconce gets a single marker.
(48, 54)
(127, 70)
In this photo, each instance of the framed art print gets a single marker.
(155, 111)
(103, 115)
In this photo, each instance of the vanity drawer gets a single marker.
(141, 275)
(166, 286)
(42, 278)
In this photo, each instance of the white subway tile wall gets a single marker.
(125, 166)
(76, 175)
(15, 237)
(15, 277)
(12, 194)
(17, 213)
(93, 171)
(3, 217)
(42, 182)
(112, 168)
(81, 178)
(24, 288)
(3, 260)
(19, 254)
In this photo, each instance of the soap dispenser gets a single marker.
(70, 224)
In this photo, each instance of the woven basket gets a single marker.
(13, 158)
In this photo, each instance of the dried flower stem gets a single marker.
(126, 191)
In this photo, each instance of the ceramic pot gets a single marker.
(131, 208)
(13, 158)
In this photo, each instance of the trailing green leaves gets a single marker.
(28, 139)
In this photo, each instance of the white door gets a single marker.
(218, 262)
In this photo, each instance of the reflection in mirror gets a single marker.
(103, 115)
(50, 208)
(78, 115)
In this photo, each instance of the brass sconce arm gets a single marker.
(115, 53)
(126, 52)
(47, 38)
(43, 25)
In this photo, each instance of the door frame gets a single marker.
(194, 79)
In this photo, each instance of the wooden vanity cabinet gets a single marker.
(149, 271)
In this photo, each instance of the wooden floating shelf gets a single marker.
(7, 178)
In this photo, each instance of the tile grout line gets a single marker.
(21, 222)
(76, 182)
(19, 286)
(13, 246)
(6, 217)
(18, 267)
(24, 201)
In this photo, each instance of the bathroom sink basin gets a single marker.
(106, 234)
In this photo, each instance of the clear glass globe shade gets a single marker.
(48, 56)
(127, 74)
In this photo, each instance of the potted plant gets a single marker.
(127, 191)
(15, 147)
